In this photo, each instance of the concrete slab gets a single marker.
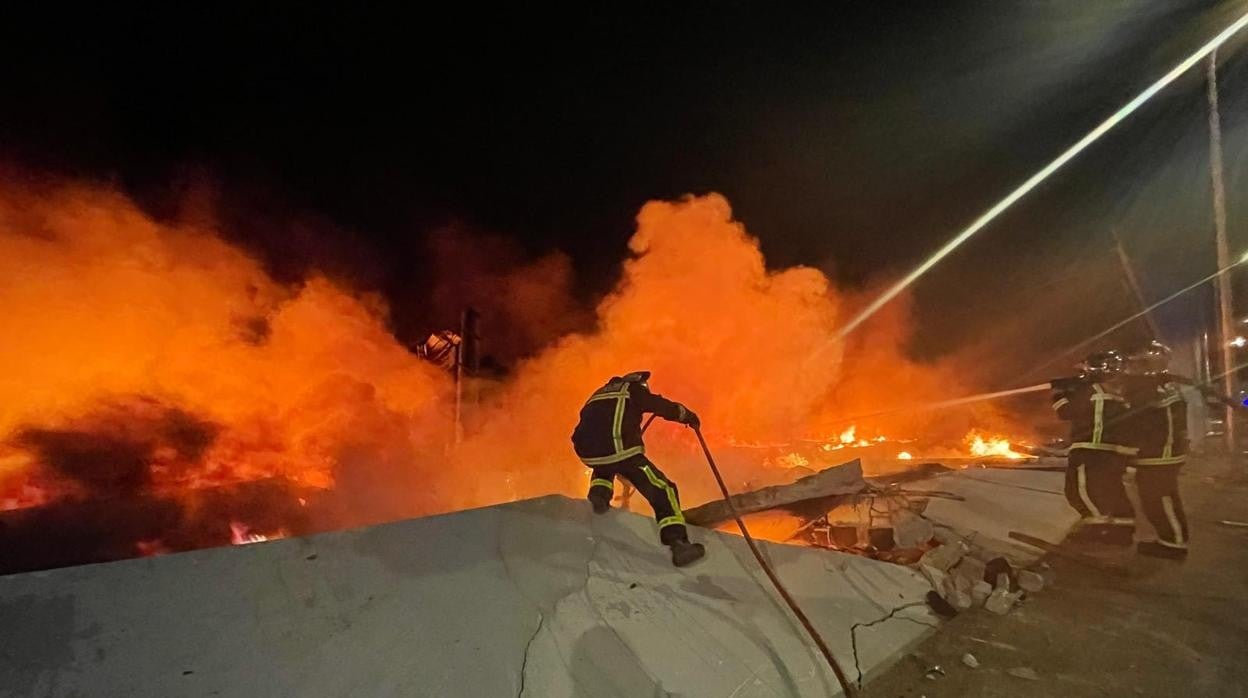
(997, 501)
(537, 598)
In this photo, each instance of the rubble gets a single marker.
(980, 592)
(935, 577)
(970, 568)
(1000, 601)
(842, 479)
(969, 660)
(911, 530)
(943, 557)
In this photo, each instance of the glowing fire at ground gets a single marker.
(241, 534)
(793, 460)
(993, 446)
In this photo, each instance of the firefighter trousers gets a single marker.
(658, 490)
(1094, 487)
(1159, 498)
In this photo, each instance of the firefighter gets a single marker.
(608, 440)
(1099, 453)
(1158, 427)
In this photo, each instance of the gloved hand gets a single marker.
(691, 419)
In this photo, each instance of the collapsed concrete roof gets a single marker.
(537, 598)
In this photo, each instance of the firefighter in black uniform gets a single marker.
(608, 440)
(1158, 427)
(1099, 452)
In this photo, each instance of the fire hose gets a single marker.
(846, 686)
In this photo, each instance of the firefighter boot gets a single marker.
(601, 505)
(685, 553)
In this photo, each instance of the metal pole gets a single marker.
(458, 435)
(1225, 300)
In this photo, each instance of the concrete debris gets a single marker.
(943, 557)
(934, 577)
(980, 592)
(960, 600)
(838, 480)
(996, 502)
(970, 660)
(911, 530)
(1030, 581)
(1000, 601)
(1023, 672)
(971, 569)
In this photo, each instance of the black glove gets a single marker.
(691, 419)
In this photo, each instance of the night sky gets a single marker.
(854, 137)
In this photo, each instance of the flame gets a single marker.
(904, 455)
(792, 460)
(992, 446)
(241, 534)
(155, 358)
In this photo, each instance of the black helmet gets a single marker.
(1103, 364)
(1151, 359)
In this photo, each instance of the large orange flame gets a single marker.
(173, 353)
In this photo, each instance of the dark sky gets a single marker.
(855, 137)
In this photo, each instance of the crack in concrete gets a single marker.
(524, 662)
(853, 631)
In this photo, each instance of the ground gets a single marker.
(1166, 629)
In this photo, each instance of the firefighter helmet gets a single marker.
(1151, 359)
(1103, 364)
(642, 377)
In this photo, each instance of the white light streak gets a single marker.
(1031, 183)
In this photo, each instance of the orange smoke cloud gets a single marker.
(100, 303)
(121, 331)
(753, 351)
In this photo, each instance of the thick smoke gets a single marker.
(152, 360)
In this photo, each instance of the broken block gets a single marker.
(960, 600)
(943, 557)
(910, 530)
(971, 569)
(1030, 581)
(946, 536)
(937, 578)
(980, 592)
(1000, 601)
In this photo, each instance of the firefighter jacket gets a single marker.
(609, 430)
(1157, 422)
(1095, 415)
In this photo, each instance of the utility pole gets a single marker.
(1225, 303)
(467, 361)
